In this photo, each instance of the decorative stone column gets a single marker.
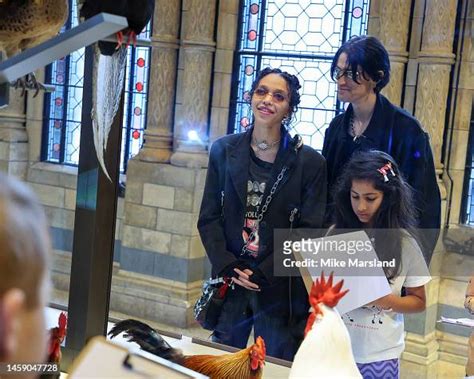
(458, 137)
(193, 100)
(391, 25)
(435, 61)
(228, 18)
(13, 137)
(430, 70)
(162, 261)
(164, 55)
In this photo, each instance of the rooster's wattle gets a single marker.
(244, 364)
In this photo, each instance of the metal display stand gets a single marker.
(94, 229)
(85, 34)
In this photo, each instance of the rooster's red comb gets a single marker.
(62, 322)
(261, 344)
(324, 292)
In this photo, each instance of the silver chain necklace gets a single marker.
(264, 145)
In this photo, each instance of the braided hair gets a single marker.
(293, 89)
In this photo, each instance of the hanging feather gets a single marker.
(110, 63)
(109, 73)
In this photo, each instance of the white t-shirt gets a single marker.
(379, 335)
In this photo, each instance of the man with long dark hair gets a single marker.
(361, 68)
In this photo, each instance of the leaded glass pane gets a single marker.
(136, 96)
(251, 24)
(63, 106)
(303, 26)
(470, 199)
(318, 96)
(357, 22)
(468, 216)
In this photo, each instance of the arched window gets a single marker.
(468, 198)
(63, 107)
(300, 37)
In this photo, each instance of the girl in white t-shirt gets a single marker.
(372, 195)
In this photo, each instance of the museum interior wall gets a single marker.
(159, 261)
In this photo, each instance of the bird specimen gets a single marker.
(110, 64)
(27, 23)
(244, 364)
(56, 338)
(326, 350)
(137, 12)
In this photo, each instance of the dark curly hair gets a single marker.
(293, 87)
(370, 55)
(396, 213)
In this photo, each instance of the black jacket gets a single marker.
(221, 218)
(396, 132)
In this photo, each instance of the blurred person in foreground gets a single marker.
(24, 279)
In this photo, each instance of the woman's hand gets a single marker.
(244, 279)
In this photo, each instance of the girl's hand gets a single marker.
(244, 281)
(414, 301)
(385, 302)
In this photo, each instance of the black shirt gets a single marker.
(259, 175)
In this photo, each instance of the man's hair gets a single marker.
(24, 240)
(370, 55)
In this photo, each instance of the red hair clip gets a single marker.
(383, 170)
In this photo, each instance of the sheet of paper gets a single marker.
(469, 322)
(365, 284)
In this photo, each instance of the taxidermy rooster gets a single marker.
(326, 350)
(27, 23)
(110, 63)
(56, 338)
(244, 364)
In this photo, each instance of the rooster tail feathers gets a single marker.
(109, 72)
(147, 338)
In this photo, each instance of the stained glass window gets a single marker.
(63, 107)
(301, 37)
(468, 198)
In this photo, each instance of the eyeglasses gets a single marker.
(349, 74)
(262, 92)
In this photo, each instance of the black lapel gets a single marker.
(238, 156)
(380, 126)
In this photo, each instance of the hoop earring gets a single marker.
(250, 118)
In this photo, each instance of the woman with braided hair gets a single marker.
(257, 181)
